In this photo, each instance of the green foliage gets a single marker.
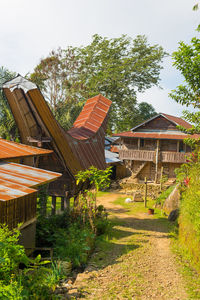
(8, 128)
(100, 179)
(74, 244)
(34, 281)
(11, 253)
(163, 196)
(187, 61)
(117, 68)
(189, 221)
(72, 233)
(47, 226)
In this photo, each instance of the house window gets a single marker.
(141, 143)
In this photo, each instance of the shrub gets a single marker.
(33, 282)
(74, 244)
(189, 220)
(164, 195)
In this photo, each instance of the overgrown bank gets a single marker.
(189, 219)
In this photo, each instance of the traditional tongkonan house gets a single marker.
(18, 188)
(77, 149)
(154, 145)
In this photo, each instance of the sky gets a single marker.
(29, 30)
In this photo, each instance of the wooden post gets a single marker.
(157, 154)
(53, 205)
(161, 178)
(139, 144)
(62, 204)
(43, 205)
(145, 193)
(178, 143)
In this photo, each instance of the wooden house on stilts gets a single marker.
(154, 145)
(77, 149)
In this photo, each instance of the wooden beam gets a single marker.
(53, 205)
(139, 144)
(157, 155)
(178, 143)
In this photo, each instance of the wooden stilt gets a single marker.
(53, 205)
(145, 193)
(161, 179)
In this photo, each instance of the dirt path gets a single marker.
(137, 264)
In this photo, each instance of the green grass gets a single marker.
(102, 194)
(190, 275)
(138, 207)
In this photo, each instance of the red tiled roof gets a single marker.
(151, 135)
(10, 149)
(91, 117)
(178, 121)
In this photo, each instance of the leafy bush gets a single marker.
(33, 282)
(74, 244)
(163, 196)
(189, 220)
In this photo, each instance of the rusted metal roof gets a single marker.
(17, 180)
(91, 117)
(160, 135)
(88, 132)
(10, 190)
(175, 120)
(79, 148)
(10, 149)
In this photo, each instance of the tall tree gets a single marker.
(187, 61)
(117, 68)
(8, 128)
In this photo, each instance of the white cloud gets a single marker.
(30, 29)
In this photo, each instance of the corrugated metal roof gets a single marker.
(151, 135)
(10, 149)
(87, 136)
(10, 190)
(25, 175)
(91, 117)
(17, 180)
(111, 157)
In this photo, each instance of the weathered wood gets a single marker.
(143, 155)
(161, 178)
(137, 155)
(145, 193)
(53, 205)
(18, 210)
(157, 159)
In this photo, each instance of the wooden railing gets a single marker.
(137, 155)
(144, 155)
(174, 157)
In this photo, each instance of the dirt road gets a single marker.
(136, 264)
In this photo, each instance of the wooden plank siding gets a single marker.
(19, 210)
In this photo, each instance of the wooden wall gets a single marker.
(20, 210)
(160, 123)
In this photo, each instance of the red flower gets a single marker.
(186, 181)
